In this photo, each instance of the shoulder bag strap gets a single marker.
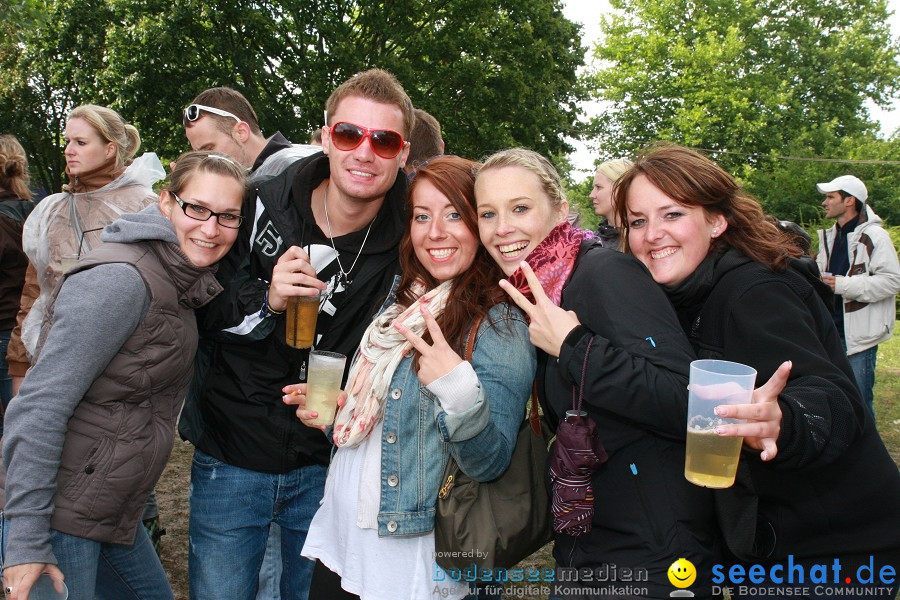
(470, 341)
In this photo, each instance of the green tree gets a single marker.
(787, 188)
(578, 194)
(750, 76)
(495, 74)
(47, 68)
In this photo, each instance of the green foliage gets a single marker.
(887, 394)
(48, 68)
(495, 74)
(750, 76)
(579, 201)
(787, 188)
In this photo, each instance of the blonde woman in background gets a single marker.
(15, 206)
(103, 184)
(601, 197)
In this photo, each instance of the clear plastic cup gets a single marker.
(323, 384)
(301, 314)
(711, 460)
(47, 588)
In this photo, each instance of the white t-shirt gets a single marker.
(372, 567)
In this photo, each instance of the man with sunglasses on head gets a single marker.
(221, 119)
(332, 222)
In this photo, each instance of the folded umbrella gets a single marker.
(575, 456)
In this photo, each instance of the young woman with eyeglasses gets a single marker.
(93, 425)
(103, 184)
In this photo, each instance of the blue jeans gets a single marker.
(863, 365)
(5, 379)
(270, 572)
(107, 571)
(231, 509)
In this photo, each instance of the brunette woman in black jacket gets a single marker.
(815, 482)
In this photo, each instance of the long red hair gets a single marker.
(476, 289)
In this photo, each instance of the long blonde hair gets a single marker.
(531, 161)
(613, 169)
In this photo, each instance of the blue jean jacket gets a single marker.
(418, 436)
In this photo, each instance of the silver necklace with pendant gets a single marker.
(344, 277)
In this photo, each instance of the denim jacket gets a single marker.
(418, 436)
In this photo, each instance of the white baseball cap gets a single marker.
(845, 183)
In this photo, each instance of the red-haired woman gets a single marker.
(413, 401)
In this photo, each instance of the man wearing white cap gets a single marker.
(859, 262)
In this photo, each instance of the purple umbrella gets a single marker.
(576, 454)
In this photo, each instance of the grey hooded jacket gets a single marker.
(92, 427)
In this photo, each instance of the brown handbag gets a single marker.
(498, 523)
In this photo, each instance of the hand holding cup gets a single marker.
(762, 416)
(295, 395)
(293, 275)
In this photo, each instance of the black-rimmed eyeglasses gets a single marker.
(201, 213)
(192, 113)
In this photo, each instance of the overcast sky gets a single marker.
(588, 12)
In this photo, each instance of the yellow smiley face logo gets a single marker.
(682, 573)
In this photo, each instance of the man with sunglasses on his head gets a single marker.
(332, 222)
(223, 120)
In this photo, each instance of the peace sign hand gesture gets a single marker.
(436, 360)
(549, 324)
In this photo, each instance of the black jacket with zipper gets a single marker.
(832, 490)
(646, 514)
(243, 419)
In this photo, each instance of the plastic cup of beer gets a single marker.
(711, 460)
(323, 384)
(301, 314)
(67, 262)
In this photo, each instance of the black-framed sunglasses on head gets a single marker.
(385, 143)
(192, 113)
(201, 213)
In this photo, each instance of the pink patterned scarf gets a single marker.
(552, 261)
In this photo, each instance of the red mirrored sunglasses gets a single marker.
(385, 143)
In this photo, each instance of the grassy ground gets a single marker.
(173, 487)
